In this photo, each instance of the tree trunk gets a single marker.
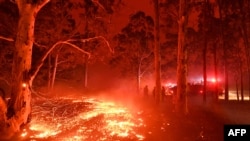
(19, 109)
(181, 97)
(241, 84)
(216, 72)
(240, 71)
(225, 54)
(86, 71)
(205, 30)
(205, 68)
(226, 77)
(138, 74)
(246, 44)
(244, 28)
(138, 79)
(157, 54)
(237, 87)
(49, 73)
(53, 77)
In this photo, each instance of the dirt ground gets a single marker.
(205, 122)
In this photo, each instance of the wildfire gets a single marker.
(84, 119)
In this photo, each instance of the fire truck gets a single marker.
(197, 89)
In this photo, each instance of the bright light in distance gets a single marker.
(209, 79)
(214, 80)
(169, 85)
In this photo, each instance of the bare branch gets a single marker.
(146, 69)
(39, 45)
(35, 71)
(76, 47)
(93, 38)
(98, 3)
(13, 1)
(62, 62)
(173, 14)
(5, 80)
(7, 39)
(146, 56)
(41, 4)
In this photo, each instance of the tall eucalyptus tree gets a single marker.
(134, 47)
(181, 96)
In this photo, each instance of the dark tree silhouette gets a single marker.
(133, 53)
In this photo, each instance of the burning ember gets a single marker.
(85, 119)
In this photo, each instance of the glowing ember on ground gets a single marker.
(84, 119)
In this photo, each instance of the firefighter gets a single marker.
(146, 91)
(163, 93)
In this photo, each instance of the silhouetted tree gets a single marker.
(133, 52)
(157, 54)
(181, 96)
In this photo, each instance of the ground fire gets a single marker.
(81, 119)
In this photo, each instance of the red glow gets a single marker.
(85, 118)
(213, 80)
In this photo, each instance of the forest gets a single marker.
(90, 46)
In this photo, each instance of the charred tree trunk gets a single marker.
(181, 97)
(157, 54)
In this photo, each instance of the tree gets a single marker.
(244, 12)
(134, 47)
(157, 54)
(229, 24)
(97, 17)
(168, 42)
(19, 109)
(23, 73)
(8, 27)
(181, 97)
(59, 12)
(79, 20)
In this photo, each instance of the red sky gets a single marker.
(120, 19)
